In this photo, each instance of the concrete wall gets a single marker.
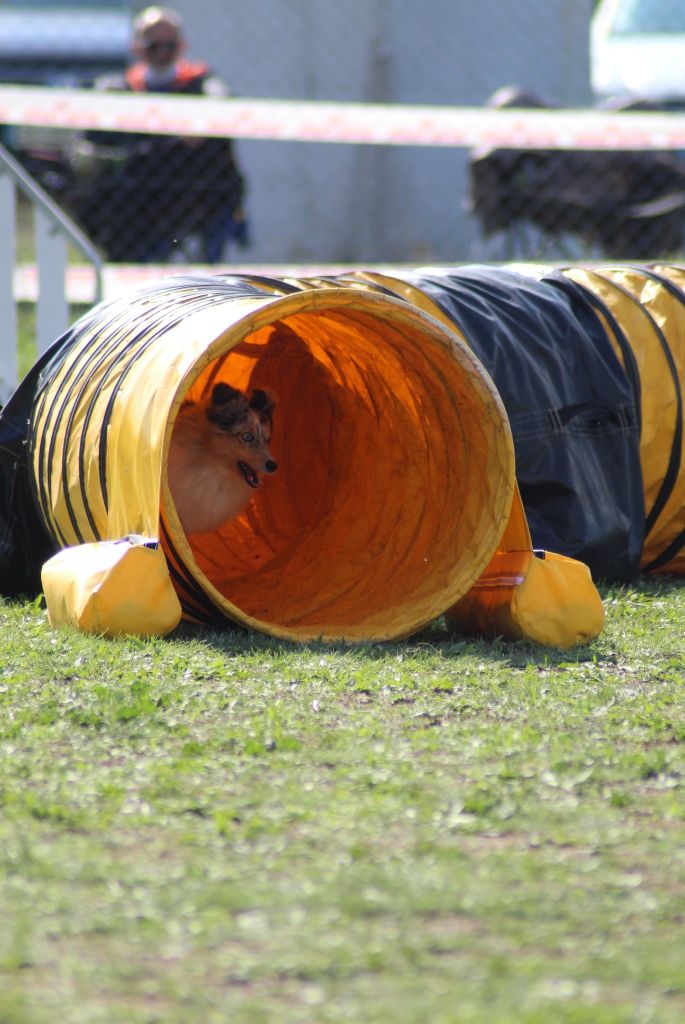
(321, 202)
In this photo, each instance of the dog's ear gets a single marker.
(229, 405)
(263, 402)
(224, 393)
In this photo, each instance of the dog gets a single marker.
(218, 454)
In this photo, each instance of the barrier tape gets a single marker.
(359, 123)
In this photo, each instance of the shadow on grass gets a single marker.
(435, 639)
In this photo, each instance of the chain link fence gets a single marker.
(161, 199)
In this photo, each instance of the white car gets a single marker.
(637, 49)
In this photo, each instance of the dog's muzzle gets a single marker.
(249, 475)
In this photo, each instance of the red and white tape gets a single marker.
(366, 123)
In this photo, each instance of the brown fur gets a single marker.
(217, 454)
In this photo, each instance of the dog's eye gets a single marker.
(247, 437)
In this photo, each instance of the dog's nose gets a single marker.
(270, 466)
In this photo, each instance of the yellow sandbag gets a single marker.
(545, 597)
(396, 464)
(111, 587)
(539, 596)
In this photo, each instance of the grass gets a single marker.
(26, 324)
(222, 827)
(25, 237)
(26, 329)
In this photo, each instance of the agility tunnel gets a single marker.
(396, 464)
(475, 442)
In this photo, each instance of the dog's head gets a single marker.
(245, 423)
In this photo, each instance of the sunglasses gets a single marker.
(158, 46)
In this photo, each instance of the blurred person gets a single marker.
(147, 197)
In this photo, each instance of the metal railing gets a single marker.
(54, 231)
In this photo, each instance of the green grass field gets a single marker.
(223, 827)
(227, 828)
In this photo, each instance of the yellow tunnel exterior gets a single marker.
(652, 320)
